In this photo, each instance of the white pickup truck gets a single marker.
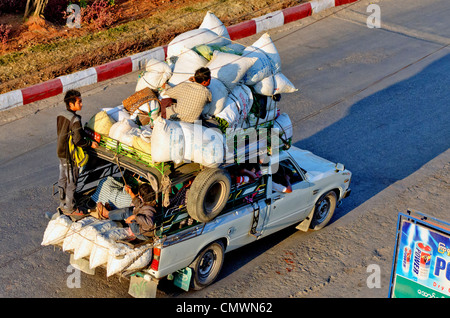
(222, 215)
(216, 214)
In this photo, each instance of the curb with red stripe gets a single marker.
(137, 61)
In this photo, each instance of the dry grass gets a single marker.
(46, 61)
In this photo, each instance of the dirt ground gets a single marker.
(38, 50)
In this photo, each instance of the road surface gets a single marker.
(375, 99)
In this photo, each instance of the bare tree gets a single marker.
(35, 8)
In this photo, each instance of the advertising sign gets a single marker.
(421, 264)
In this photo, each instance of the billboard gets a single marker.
(421, 263)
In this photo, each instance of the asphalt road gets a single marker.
(375, 99)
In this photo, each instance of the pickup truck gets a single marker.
(192, 253)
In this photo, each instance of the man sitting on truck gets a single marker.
(140, 217)
(191, 97)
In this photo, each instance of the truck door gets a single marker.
(287, 208)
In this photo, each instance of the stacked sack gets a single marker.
(246, 83)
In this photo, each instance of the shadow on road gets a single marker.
(390, 134)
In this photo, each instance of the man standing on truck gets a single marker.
(191, 97)
(68, 122)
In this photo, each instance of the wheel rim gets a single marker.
(323, 208)
(206, 265)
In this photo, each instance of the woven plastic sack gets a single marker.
(219, 94)
(88, 234)
(229, 68)
(274, 84)
(100, 123)
(213, 23)
(167, 141)
(186, 66)
(156, 74)
(73, 238)
(189, 39)
(56, 230)
(123, 257)
(202, 145)
(104, 242)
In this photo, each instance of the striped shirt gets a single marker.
(191, 99)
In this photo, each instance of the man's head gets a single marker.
(203, 76)
(146, 192)
(73, 100)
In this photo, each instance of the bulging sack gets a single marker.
(219, 95)
(213, 23)
(229, 68)
(123, 257)
(56, 230)
(189, 39)
(167, 142)
(202, 145)
(268, 60)
(185, 66)
(237, 106)
(100, 123)
(156, 74)
(274, 84)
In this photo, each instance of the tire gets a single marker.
(323, 211)
(207, 265)
(208, 194)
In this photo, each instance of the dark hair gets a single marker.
(146, 192)
(71, 97)
(202, 75)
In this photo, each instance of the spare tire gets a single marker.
(208, 194)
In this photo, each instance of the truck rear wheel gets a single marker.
(324, 211)
(207, 265)
(208, 194)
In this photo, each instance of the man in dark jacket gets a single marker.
(140, 217)
(69, 121)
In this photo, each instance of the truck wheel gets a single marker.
(323, 211)
(208, 194)
(207, 265)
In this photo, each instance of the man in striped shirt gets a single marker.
(191, 97)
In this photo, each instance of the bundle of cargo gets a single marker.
(246, 83)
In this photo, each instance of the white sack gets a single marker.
(121, 131)
(123, 257)
(189, 39)
(202, 145)
(268, 48)
(88, 233)
(117, 113)
(185, 66)
(56, 230)
(268, 63)
(104, 242)
(156, 74)
(73, 238)
(237, 106)
(229, 68)
(213, 23)
(284, 124)
(167, 141)
(274, 84)
(219, 95)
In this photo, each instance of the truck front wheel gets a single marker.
(207, 265)
(324, 211)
